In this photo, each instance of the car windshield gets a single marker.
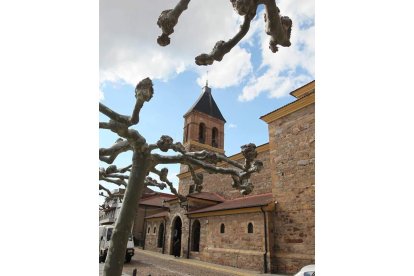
(109, 234)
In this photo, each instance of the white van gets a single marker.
(105, 234)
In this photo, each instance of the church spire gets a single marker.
(204, 124)
(206, 104)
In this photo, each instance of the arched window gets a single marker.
(202, 133)
(222, 228)
(149, 228)
(214, 137)
(186, 132)
(160, 242)
(250, 228)
(196, 236)
(155, 229)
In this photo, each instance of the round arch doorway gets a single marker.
(176, 237)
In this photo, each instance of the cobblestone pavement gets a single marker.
(155, 264)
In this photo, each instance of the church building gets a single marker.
(271, 230)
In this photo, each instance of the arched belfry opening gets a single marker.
(202, 133)
(214, 137)
(176, 231)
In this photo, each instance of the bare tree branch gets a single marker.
(187, 160)
(108, 155)
(104, 125)
(197, 179)
(163, 177)
(113, 115)
(105, 189)
(113, 175)
(118, 182)
(277, 27)
(143, 93)
(221, 48)
(153, 182)
(167, 21)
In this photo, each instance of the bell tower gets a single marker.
(204, 124)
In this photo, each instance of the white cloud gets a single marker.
(290, 67)
(128, 34)
(232, 125)
(129, 51)
(234, 67)
(101, 95)
(276, 86)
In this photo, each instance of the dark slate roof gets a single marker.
(206, 105)
(243, 202)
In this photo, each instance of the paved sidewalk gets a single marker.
(152, 263)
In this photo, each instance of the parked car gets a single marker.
(308, 270)
(105, 234)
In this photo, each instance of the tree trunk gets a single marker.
(117, 248)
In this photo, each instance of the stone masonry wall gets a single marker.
(292, 159)
(151, 236)
(235, 247)
(138, 230)
(177, 211)
(221, 184)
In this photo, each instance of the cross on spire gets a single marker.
(207, 79)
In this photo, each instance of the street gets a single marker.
(155, 264)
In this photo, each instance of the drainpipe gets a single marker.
(265, 236)
(189, 230)
(163, 238)
(188, 241)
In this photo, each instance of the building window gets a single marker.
(155, 229)
(196, 236)
(160, 236)
(186, 132)
(214, 137)
(202, 133)
(222, 228)
(250, 228)
(192, 187)
(149, 228)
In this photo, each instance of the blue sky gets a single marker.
(249, 82)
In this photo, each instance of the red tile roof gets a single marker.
(207, 196)
(158, 215)
(243, 202)
(156, 200)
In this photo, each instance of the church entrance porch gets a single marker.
(175, 248)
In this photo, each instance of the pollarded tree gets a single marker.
(277, 27)
(144, 161)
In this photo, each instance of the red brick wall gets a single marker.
(192, 122)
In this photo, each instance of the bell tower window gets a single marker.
(214, 137)
(202, 133)
(186, 133)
